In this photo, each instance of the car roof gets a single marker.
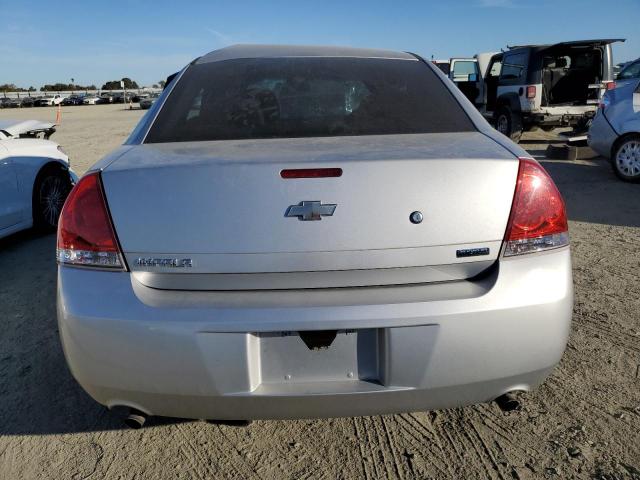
(597, 41)
(278, 51)
(632, 62)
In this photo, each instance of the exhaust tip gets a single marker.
(135, 419)
(508, 402)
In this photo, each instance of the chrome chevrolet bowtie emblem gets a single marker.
(310, 210)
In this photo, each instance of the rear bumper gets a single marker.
(237, 355)
(556, 120)
(601, 136)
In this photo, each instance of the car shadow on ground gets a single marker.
(38, 395)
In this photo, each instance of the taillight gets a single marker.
(531, 91)
(604, 102)
(610, 85)
(311, 172)
(538, 219)
(85, 233)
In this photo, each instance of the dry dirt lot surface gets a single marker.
(584, 422)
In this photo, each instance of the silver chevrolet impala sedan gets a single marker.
(299, 232)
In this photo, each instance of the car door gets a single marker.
(491, 82)
(10, 208)
(465, 74)
(513, 76)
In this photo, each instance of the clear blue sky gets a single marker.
(54, 41)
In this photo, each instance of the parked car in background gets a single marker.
(139, 96)
(49, 100)
(544, 86)
(146, 102)
(464, 72)
(35, 177)
(629, 73)
(12, 102)
(386, 282)
(27, 101)
(44, 101)
(615, 131)
(75, 99)
(90, 99)
(105, 97)
(120, 97)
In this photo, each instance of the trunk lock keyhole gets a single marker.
(416, 217)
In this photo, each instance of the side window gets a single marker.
(513, 67)
(461, 67)
(496, 66)
(630, 71)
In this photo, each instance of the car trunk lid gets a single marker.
(213, 215)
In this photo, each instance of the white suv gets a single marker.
(543, 86)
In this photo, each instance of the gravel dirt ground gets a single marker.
(583, 422)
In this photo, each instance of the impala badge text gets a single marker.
(164, 262)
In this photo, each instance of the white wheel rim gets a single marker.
(628, 158)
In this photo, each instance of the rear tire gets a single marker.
(509, 123)
(50, 190)
(625, 160)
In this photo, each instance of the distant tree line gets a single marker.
(115, 84)
(60, 87)
(10, 87)
(64, 87)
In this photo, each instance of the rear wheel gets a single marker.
(509, 123)
(49, 193)
(626, 159)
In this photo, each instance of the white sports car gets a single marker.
(35, 177)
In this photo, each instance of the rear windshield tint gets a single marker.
(306, 97)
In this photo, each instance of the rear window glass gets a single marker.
(306, 97)
(495, 68)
